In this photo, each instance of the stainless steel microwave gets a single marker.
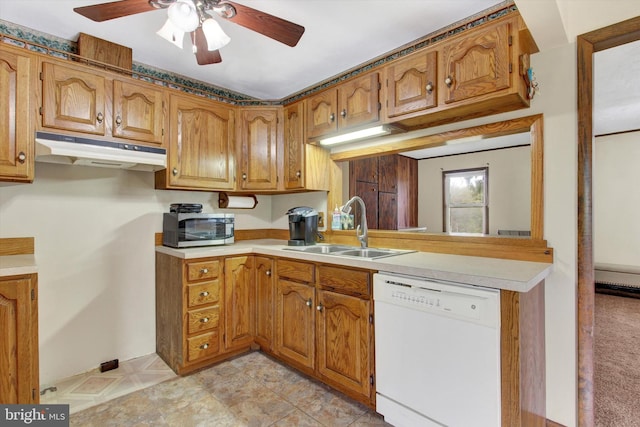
(186, 230)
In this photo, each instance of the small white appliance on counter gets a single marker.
(186, 226)
(437, 352)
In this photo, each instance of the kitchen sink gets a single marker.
(349, 251)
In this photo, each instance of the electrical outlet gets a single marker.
(320, 219)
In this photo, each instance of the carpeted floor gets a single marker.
(617, 361)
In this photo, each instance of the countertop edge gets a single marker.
(17, 265)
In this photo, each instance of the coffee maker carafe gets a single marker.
(303, 226)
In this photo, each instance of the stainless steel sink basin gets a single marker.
(325, 249)
(349, 251)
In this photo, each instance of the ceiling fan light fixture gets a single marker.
(183, 15)
(171, 33)
(216, 37)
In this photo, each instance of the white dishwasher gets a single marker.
(437, 352)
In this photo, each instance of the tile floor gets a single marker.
(250, 390)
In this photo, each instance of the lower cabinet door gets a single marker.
(343, 336)
(264, 302)
(295, 317)
(239, 297)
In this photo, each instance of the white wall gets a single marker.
(94, 243)
(616, 198)
(509, 187)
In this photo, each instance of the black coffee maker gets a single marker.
(303, 226)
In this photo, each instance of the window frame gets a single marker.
(484, 206)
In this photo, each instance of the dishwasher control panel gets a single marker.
(461, 301)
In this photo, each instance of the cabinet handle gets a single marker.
(174, 171)
(204, 294)
(204, 271)
(332, 117)
(309, 302)
(298, 174)
(319, 307)
(100, 117)
(204, 346)
(244, 176)
(118, 121)
(21, 157)
(204, 320)
(448, 81)
(343, 113)
(429, 87)
(268, 273)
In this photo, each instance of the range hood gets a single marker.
(71, 150)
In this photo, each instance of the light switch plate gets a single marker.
(320, 219)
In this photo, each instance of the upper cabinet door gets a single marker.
(258, 136)
(201, 144)
(16, 130)
(294, 159)
(359, 101)
(411, 84)
(478, 64)
(73, 99)
(321, 113)
(137, 112)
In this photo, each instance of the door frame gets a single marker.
(587, 44)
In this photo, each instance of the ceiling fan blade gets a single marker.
(204, 56)
(271, 26)
(117, 9)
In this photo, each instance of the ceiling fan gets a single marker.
(194, 17)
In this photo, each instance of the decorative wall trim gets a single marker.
(48, 44)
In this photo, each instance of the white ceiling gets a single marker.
(339, 35)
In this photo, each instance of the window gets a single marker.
(465, 201)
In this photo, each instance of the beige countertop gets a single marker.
(519, 276)
(14, 265)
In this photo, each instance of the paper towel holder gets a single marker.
(246, 201)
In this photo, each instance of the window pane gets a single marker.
(466, 189)
(466, 220)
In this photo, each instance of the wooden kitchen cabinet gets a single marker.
(201, 146)
(477, 64)
(138, 111)
(344, 329)
(189, 311)
(265, 301)
(239, 301)
(77, 99)
(17, 88)
(306, 166)
(258, 136)
(295, 313)
(19, 363)
(73, 99)
(388, 185)
(411, 84)
(350, 105)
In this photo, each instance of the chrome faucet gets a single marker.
(361, 230)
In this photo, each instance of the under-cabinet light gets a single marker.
(358, 135)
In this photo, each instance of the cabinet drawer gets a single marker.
(202, 346)
(203, 319)
(300, 271)
(203, 293)
(345, 280)
(203, 270)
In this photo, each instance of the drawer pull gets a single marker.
(204, 346)
(204, 294)
(204, 320)
(204, 271)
